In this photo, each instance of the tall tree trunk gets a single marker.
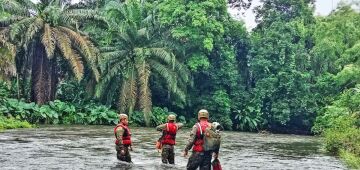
(90, 88)
(18, 86)
(43, 79)
(53, 79)
(24, 70)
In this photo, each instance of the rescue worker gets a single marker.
(168, 139)
(199, 157)
(123, 139)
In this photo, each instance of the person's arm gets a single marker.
(119, 134)
(191, 140)
(179, 125)
(161, 127)
(217, 150)
(162, 136)
(216, 153)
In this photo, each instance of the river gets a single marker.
(92, 147)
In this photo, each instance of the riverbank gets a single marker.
(11, 123)
(345, 142)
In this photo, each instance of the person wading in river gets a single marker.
(199, 157)
(168, 139)
(123, 139)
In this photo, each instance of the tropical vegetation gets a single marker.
(295, 72)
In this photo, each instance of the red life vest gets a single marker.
(199, 141)
(126, 137)
(170, 134)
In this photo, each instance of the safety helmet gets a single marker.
(122, 116)
(203, 114)
(171, 117)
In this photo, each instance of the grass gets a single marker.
(11, 123)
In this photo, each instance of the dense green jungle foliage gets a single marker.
(295, 72)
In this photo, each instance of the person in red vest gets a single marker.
(123, 139)
(168, 139)
(199, 157)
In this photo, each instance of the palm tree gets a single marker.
(7, 56)
(138, 52)
(7, 64)
(44, 33)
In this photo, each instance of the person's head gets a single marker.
(171, 118)
(123, 119)
(203, 114)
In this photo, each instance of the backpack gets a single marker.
(212, 139)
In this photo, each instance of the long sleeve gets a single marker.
(160, 127)
(191, 139)
(179, 125)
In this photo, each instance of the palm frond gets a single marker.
(126, 39)
(124, 97)
(132, 90)
(113, 72)
(106, 90)
(87, 48)
(4, 41)
(114, 10)
(83, 43)
(10, 20)
(7, 45)
(143, 32)
(177, 48)
(68, 21)
(182, 71)
(166, 73)
(148, 20)
(144, 90)
(140, 52)
(84, 14)
(114, 54)
(108, 49)
(28, 3)
(19, 28)
(64, 44)
(164, 55)
(7, 62)
(170, 77)
(110, 58)
(48, 41)
(14, 7)
(33, 29)
(104, 82)
(128, 94)
(112, 89)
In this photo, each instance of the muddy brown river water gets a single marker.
(92, 147)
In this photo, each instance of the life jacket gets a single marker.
(126, 137)
(199, 141)
(170, 134)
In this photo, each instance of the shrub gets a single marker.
(12, 123)
(352, 160)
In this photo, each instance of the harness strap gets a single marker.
(200, 128)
